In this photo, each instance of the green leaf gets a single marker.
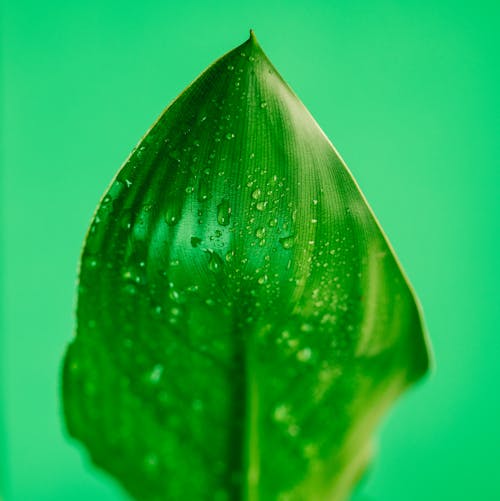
(243, 322)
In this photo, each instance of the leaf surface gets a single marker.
(242, 321)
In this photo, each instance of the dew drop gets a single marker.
(281, 413)
(130, 289)
(286, 242)
(157, 310)
(130, 274)
(172, 215)
(260, 232)
(223, 212)
(263, 279)
(305, 327)
(261, 206)
(195, 241)
(215, 262)
(203, 190)
(92, 262)
(156, 373)
(304, 355)
(256, 194)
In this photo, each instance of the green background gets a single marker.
(408, 92)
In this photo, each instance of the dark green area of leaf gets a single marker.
(242, 322)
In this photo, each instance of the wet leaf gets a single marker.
(242, 321)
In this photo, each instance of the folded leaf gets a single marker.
(242, 321)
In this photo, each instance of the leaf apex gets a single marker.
(252, 38)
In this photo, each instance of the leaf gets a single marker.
(242, 321)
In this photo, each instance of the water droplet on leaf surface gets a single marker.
(223, 212)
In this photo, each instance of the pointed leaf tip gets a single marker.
(252, 40)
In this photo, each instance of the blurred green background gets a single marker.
(408, 91)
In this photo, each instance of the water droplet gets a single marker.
(172, 216)
(189, 189)
(223, 212)
(261, 206)
(263, 104)
(174, 295)
(156, 373)
(273, 222)
(195, 241)
(229, 135)
(92, 262)
(260, 232)
(304, 355)
(130, 274)
(305, 327)
(215, 262)
(256, 194)
(230, 67)
(203, 190)
(263, 279)
(286, 242)
(281, 413)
